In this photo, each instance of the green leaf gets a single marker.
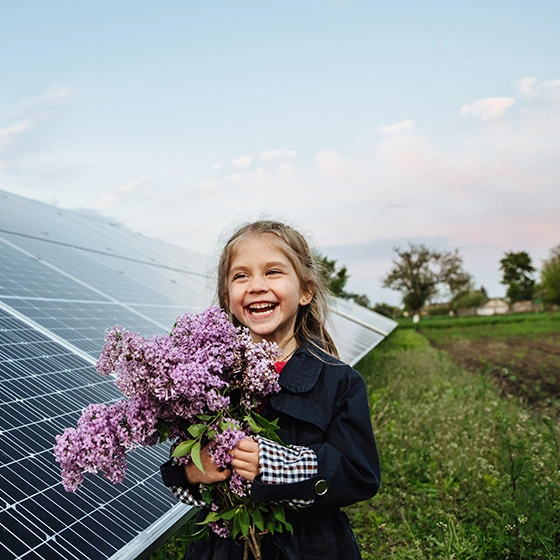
(263, 426)
(183, 448)
(279, 514)
(258, 519)
(205, 494)
(196, 430)
(228, 513)
(163, 431)
(195, 456)
(244, 521)
(236, 529)
(255, 428)
(212, 517)
(224, 425)
(204, 417)
(195, 536)
(271, 526)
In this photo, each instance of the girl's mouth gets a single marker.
(261, 309)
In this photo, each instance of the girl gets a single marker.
(269, 282)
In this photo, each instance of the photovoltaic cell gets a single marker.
(64, 279)
(41, 395)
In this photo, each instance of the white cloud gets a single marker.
(234, 177)
(258, 173)
(525, 86)
(273, 155)
(243, 162)
(22, 118)
(402, 126)
(8, 133)
(123, 194)
(488, 108)
(551, 84)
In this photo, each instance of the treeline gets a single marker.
(423, 276)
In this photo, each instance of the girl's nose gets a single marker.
(258, 284)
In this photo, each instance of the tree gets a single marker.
(469, 299)
(517, 269)
(335, 277)
(387, 310)
(419, 273)
(550, 277)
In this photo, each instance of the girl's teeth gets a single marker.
(261, 310)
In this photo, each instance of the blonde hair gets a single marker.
(311, 318)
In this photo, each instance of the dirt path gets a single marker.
(524, 366)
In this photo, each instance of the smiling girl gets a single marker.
(269, 282)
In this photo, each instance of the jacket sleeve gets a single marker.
(337, 427)
(280, 464)
(348, 457)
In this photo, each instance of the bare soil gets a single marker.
(526, 367)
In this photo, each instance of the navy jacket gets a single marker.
(322, 405)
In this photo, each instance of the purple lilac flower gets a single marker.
(225, 441)
(168, 381)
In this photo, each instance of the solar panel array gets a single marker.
(64, 279)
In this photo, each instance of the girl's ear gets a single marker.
(306, 295)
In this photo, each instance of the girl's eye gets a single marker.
(239, 275)
(273, 271)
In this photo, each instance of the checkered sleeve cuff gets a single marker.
(281, 464)
(185, 495)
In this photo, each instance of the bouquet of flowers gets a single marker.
(200, 385)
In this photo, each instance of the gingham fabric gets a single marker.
(186, 496)
(286, 465)
(278, 465)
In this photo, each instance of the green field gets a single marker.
(471, 464)
(470, 456)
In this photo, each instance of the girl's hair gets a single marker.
(311, 319)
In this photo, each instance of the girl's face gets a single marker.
(264, 292)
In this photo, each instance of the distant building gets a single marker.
(523, 307)
(494, 306)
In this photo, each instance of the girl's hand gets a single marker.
(212, 473)
(245, 460)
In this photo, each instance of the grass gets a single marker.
(466, 474)
(525, 324)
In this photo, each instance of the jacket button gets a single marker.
(321, 487)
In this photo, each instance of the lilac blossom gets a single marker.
(171, 383)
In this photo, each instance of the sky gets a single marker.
(366, 125)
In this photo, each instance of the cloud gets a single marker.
(12, 131)
(274, 155)
(488, 108)
(530, 87)
(122, 195)
(525, 86)
(22, 119)
(335, 165)
(402, 126)
(243, 162)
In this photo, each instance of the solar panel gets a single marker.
(64, 279)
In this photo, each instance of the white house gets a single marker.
(494, 306)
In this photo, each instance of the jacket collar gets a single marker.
(303, 369)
